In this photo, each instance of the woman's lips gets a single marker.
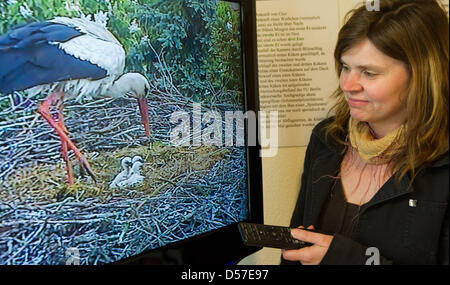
(356, 102)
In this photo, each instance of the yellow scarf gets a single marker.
(374, 151)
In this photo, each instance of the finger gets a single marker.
(311, 237)
(311, 227)
(303, 255)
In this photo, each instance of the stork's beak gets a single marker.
(143, 109)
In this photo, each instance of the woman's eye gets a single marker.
(369, 74)
(345, 68)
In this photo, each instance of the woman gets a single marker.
(375, 182)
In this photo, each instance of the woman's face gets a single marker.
(375, 87)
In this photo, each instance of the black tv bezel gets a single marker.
(224, 246)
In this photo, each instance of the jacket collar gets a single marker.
(324, 170)
(442, 161)
(326, 166)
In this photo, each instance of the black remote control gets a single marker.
(269, 236)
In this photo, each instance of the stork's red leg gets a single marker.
(64, 148)
(44, 110)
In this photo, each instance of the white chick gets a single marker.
(126, 163)
(135, 176)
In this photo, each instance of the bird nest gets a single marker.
(163, 166)
(181, 196)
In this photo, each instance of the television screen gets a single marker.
(122, 127)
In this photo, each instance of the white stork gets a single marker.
(68, 58)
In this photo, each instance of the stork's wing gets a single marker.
(98, 45)
(30, 56)
(87, 27)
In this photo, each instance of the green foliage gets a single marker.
(198, 40)
(225, 63)
(180, 28)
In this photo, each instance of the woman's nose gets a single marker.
(350, 82)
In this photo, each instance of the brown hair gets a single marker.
(416, 32)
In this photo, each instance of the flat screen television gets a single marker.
(89, 174)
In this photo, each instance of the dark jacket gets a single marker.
(407, 225)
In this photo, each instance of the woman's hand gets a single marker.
(311, 255)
